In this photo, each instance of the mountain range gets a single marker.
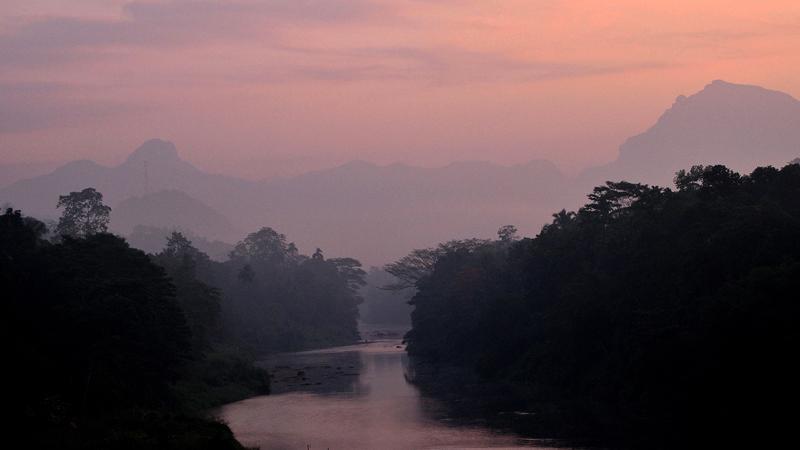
(379, 213)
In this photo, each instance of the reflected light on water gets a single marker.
(353, 397)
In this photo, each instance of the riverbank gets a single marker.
(502, 405)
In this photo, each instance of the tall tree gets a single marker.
(84, 214)
(265, 245)
(507, 234)
(200, 302)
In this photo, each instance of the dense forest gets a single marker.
(115, 348)
(652, 313)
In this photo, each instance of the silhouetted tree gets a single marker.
(350, 271)
(199, 301)
(649, 313)
(507, 234)
(418, 264)
(265, 245)
(84, 214)
(276, 299)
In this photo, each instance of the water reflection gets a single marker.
(352, 398)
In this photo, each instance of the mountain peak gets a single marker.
(733, 92)
(155, 151)
(739, 125)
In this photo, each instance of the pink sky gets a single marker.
(276, 87)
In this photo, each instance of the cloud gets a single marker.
(173, 23)
(329, 11)
(436, 66)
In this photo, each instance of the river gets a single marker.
(353, 397)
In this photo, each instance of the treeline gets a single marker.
(114, 348)
(277, 299)
(651, 316)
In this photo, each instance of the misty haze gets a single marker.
(391, 224)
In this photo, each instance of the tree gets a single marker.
(706, 177)
(651, 313)
(265, 245)
(180, 249)
(351, 271)
(276, 299)
(414, 267)
(200, 302)
(18, 232)
(84, 214)
(507, 234)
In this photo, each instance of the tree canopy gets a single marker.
(648, 312)
(84, 214)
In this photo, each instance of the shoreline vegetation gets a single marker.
(115, 348)
(649, 318)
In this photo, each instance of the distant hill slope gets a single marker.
(379, 213)
(375, 213)
(154, 166)
(382, 212)
(11, 173)
(152, 239)
(172, 209)
(737, 125)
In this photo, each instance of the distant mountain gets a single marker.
(795, 161)
(379, 213)
(172, 209)
(737, 125)
(154, 166)
(152, 239)
(11, 173)
(375, 213)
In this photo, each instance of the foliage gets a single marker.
(93, 328)
(150, 239)
(265, 246)
(275, 299)
(99, 341)
(105, 338)
(84, 214)
(418, 264)
(648, 312)
(199, 301)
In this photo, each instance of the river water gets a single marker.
(353, 397)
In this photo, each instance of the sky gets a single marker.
(264, 88)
